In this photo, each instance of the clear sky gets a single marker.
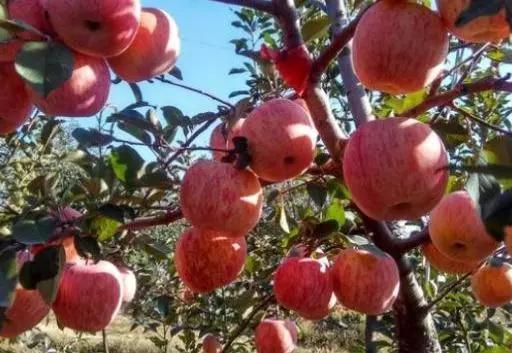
(205, 61)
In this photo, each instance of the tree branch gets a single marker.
(146, 222)
(443, 99)
(260, 5)
(480, 121)
(288, 18)
(458, 282)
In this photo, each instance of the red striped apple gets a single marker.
(100, 28)
(154, 50)
(366, 280)
(222, 138)
(83, 94)
(457, 230)
(27, 310)
(9, 50)
(15, 104)
(281, 139)
(218, 197)
(32, 12)
(129, 283)
(211, 344)
(304, 285)
(276, 336)
(492, 284)
(89, 296)
(399, 47)
(395, 168)
(207, 260)
(443, 263)
(480, 30)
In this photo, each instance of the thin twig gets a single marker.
(198, 91)
(446, 291)
(146, 222)
(480, 121)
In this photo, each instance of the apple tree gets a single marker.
(365, 167)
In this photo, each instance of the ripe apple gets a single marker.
(89, 296)
(457, 230)
(222, 138)
(211, 344)
(9, 50)
(395, 168)
(366, 280)
(304, 285)
(492, 284)
(15, 104)
(276, 336)
(218, 197)
(445, 264)
(207, 260)
(399, 47)
(100, 28)
(129, 283)
(480, 30)
(27, 310)
(281, 140)
(32, 12)
(83, 94)
(294, 65)
(154, 50)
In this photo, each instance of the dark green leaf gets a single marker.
(126, 163)
(176, 72)
(47, 267)
(88, 247)
(44, 65)
(137, 93)
(8, 277)
(34, 231)
(91, 137)
(318, 193)
(174, 116)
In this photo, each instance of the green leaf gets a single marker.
(5, 35)
(137, 93)
(402, 104)
(48, 266)
(163, 305)
(49, 130)
(502, 55)
(176, 72)
(317, 192)
(105, 228)
(283, 221)
(126, 163)
(236, 71)
(335, 211)
(8, 277)
(238, 93)
(88, 247)
(451, 132)
(315, 28)
(34, 231)
(497, 349)
(91, 137)
(44, 65)
(174, 116)
(136, 132)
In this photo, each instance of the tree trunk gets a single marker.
(415, 329)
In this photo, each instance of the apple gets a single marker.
(492, 284)
(89, 296)
(211, 344)
(207, 260)
(83, 94)
(32, 12)
(218, 197)
(276, 336)
(154, 50)
(366, 280)
(457, 230)
(294, 65)
(15, 104)
(222, 138)
(304, 285)
(9, 50)
(27, 310)
(395, 168)
(399, 47)
(281, 139)
(480, 30)
(445, 264)
(129, 282)
(100, 28)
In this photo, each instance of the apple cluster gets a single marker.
(89, 296)
(102, 36)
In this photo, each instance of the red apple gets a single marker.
(218, 197)
(27, 310)
(89, 296)
(15, 105)
(9, 50)
(443, 263)
(304, 285)
(480, 30)
(222, 138)
(211, 344)
(153, 52)
(366, 280)
(457, 230)
(83, 94)
(32, 12)
(276, 336)
(395, 168)
(492, 284)
(100, 28)
(207, 260)
(399, 47)
(129, 283)
(281, 140)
